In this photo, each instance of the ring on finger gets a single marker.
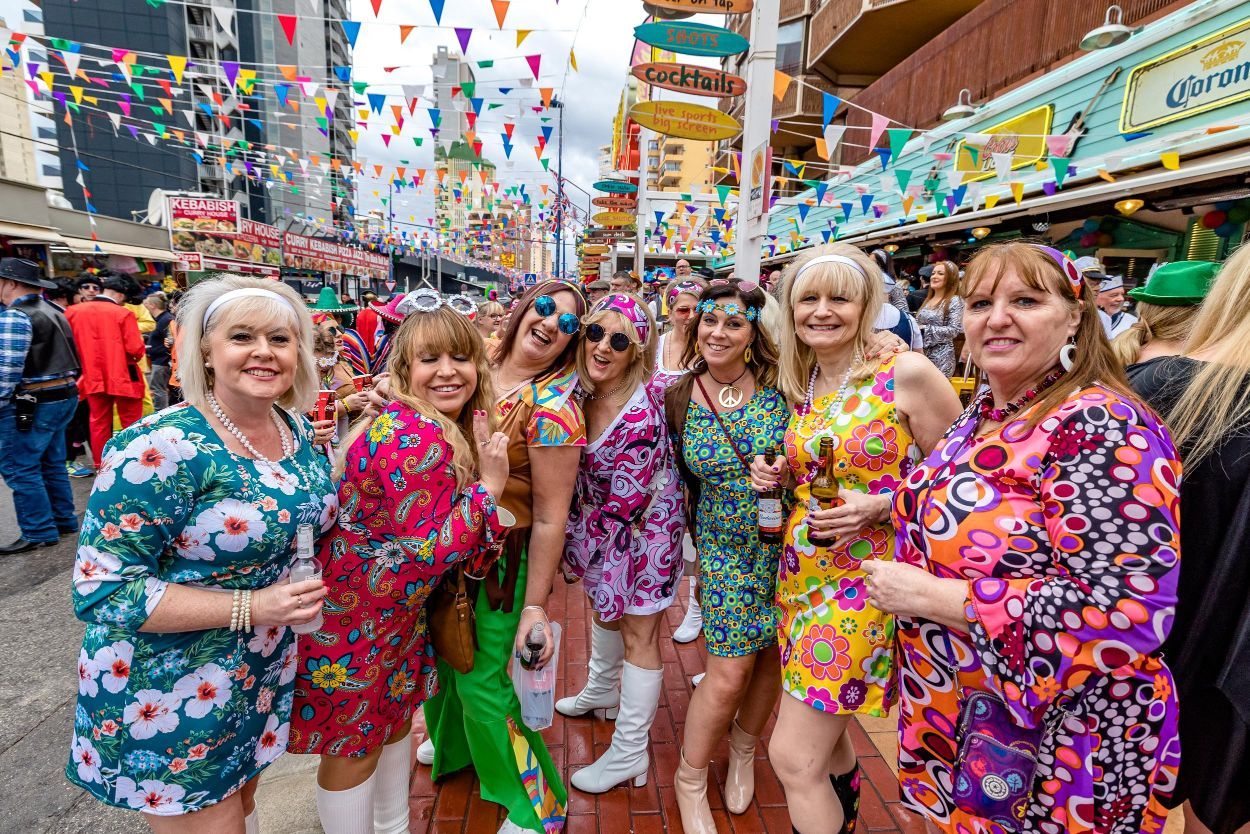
(299, 600)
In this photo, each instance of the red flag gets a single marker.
(288, 27)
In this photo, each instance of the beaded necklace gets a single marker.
(842, 389)
(998, 415)
(288, 445)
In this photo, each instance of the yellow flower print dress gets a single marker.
(836, 649)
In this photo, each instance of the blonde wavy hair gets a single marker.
(641, 356)
(1217, 400)
(1154, 321)
(254, 311)
(833, 279)
(433, 334)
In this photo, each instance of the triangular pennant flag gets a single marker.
(501, 10)
(781, 83)
(1061, 164)
(521, 34)
(351, 28)
(1171, 160)
(829, 107)
(1002, 165)
(535, 61)
(1058, 144)
(1017, 191)
(377, 7)
(177, 65)
(225, 17)
(573, 60)
(462, 36)
(903, 176)
(884, 155)
(898, 140)
(404, 32)
(288, 27)
(879, 123)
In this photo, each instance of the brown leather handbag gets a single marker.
(451, 621)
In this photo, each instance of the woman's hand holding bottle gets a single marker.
(288, 603)
(765, 476)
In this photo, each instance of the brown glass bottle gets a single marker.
(772, 520)
(824, 489)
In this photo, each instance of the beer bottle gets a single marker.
(824, 489)
(771, 515)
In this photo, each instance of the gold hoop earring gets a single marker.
(747, 356)
(698, 350)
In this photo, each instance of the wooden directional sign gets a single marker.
(615, 186)
(691, 38)
(607, 235)
(613, 218)
(688, 78)
(594, 259)
(705, 6)
(615, 203)
(685, 120)
(596, 249)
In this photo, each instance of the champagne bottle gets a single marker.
(771, 517)
(305, 567)
(824, 490)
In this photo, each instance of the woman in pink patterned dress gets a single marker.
(1035, 578)
(413, 506)
(624, 534)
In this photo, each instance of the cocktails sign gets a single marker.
(688, 78)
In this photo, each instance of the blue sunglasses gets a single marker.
(568, 323)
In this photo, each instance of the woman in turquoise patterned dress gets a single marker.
(187, 668)
(721, 415)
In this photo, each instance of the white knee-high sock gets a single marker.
(390, 797)
(349, 811)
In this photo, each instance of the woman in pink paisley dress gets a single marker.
(1037, 568)
(624, 533)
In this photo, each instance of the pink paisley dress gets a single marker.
(1067, 535)
(625, 527)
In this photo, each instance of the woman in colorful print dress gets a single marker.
(413, 506)
(1037, 566)
(187, 668)
(475, 719)
(624, 534)
(837, 652)
(720, 416)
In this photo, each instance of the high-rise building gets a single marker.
(681, 164)
(28, 142)
(212, 33)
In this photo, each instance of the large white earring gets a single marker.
(1067, 354)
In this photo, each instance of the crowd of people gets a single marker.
(1003, 575)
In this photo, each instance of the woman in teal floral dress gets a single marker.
(186, 671)
(722, 414)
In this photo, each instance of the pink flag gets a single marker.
(534, 62)
(879, 123)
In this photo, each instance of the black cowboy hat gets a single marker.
(24, 272)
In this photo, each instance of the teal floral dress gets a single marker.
(738, 573)
(172, 723)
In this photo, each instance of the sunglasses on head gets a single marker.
(568, 323)
(618, 341)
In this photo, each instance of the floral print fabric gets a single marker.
(836, 649)
(737, 571)
(168, 724)
(625, 528)
(401, 525)
(1067, 535)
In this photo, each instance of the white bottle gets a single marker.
(536, 688)
(305, 567)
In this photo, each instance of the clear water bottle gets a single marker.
(536, 688)
(305, 567)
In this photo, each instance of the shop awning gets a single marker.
(1129, 185)
(24, 233)
(87, 246)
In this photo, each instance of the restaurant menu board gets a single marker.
(213, 232)
(317, 255)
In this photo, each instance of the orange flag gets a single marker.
(501, 10)
(781, 83)
(404, 32)
(546, 93)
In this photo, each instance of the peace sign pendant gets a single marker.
(729, 397)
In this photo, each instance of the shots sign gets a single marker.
(688, 78)
(692, 38)
(1202, 75)
(685, 121)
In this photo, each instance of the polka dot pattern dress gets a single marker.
(738, 572)
(1068, 537)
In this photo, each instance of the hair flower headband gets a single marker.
(630, 308)
(1076, 281)
(730, 309)
(427, 300)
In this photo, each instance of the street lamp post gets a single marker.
(757, 123)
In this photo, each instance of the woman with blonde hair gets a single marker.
(489, 319)
(1204, 395)
(187, 668)
(624, 534)
(941, 317)
(1166, 307)
(418, 498)
(881, 414)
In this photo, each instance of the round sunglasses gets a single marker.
(618, 341)
(568, 323)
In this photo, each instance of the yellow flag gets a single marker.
(1017, 191)
(77, 91)
(573, 60)
(521, 35)
(991, 200)
(1171, 160)
(177, 63)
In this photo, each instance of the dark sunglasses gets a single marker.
(334, 331)
(619, 342)
(568, 323)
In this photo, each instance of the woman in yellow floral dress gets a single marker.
(836, 650)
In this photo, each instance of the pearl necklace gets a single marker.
(842, 389)
(228, 424)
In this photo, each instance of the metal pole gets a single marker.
(757, 118)
(560, 265)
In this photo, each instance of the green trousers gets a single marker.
(475, 719)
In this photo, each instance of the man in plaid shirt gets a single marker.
(38, 394)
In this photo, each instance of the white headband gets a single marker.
(245, 292)
(830, 259)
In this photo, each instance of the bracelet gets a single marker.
(247, 610)
(234, 609)
(537, 608)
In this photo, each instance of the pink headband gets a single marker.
(630, 308)
(687, 287)
(1075, 282)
